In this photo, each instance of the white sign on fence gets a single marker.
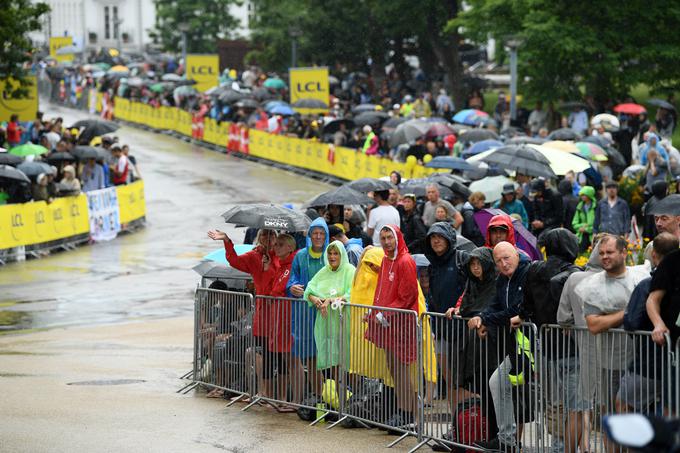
(103, 213)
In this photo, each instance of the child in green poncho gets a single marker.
(332, 282)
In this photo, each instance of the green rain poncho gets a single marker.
(329, 283)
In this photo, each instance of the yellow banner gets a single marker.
(309, 83)
(204, 69)
(38, 222)
(26, 107)
(131, 202)
(56, 43)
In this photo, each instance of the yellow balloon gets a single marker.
(427, 158)
(411, 161)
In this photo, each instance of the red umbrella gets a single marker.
(630, 109)
(440, 130)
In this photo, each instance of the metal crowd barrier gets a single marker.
(360, 366)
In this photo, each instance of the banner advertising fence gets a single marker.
(56, 43)
(309, 83)
(204, 69)
(103, 212)
(25, 107)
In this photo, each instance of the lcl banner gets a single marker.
(309, 83)
(204, 69)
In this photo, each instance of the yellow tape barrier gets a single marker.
(39, 222)
(346, 163)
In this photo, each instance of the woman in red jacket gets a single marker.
(395, 332)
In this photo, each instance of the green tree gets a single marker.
(17, 19)
(206, 21)
(599, 46)
(349, 32)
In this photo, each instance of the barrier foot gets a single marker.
(319, 419)
(187, 374)
(187, 388)
(239, 398)
(251, 404)
(426, 442)
(334, 424)
(395, 442)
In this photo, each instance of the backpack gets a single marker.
(471, 424)
(635, 316)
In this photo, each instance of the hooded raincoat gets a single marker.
(305, 266)
(397, 288)
(365, 359)
(251, 263)
(479, 293)
(585, 217)
(501, 221)
(279, 310)
(331, 284)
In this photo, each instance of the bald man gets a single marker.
(502, 314)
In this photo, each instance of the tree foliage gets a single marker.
(599, 46)
(17, 19)
(350, 32)
(206, 21)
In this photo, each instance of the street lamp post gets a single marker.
(184, 28)
(512, 45)
(116, 23)
(294, 33)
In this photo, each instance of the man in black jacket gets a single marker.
(411, 225)
(503, 313)
(447, 282)
(545, 280)
(569, 202)
(547, 207)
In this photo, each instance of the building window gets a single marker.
(107, 23)
(116, 24)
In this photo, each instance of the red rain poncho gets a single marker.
(278, 311)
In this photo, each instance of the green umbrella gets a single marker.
(29, 149)
(275, 83)
(157, 87)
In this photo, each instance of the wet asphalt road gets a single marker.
(147, 274)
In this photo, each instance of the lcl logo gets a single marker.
(202, 70)
(39, 217)
(17, 221)
(309, 87)
(57, 215)
(74, 210)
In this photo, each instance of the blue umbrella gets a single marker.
(471, 117)
(219, 255)
(454, 163)
(271, 104)
(482, 146)
(282, 110)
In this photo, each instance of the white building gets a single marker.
(113, 23)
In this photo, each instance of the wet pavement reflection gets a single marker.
(146, 274)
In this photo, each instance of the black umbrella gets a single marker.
(477, 135)
(334, 126)
(65, 190)
(85, 152)
(418, 187)
(521, 159)
(10, 159)
(661, 103)
(247, 103)
(450, 162)
(369, 185)
(408, 132)
(61, 156)
(230, 96)
(9, 172)
(370, 118)
(668, 206)
(364, 108)
(94, 128)
(34, 168)
(393, 122)
(526, 140)
(267, 216)
(184, 82)
(564, 133)
(310, 104)
(454, 183)
(597, 139)
(342, 195)
(212, 269)
(263, 94)
(615, 157)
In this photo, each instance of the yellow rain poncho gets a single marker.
(365, 358)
